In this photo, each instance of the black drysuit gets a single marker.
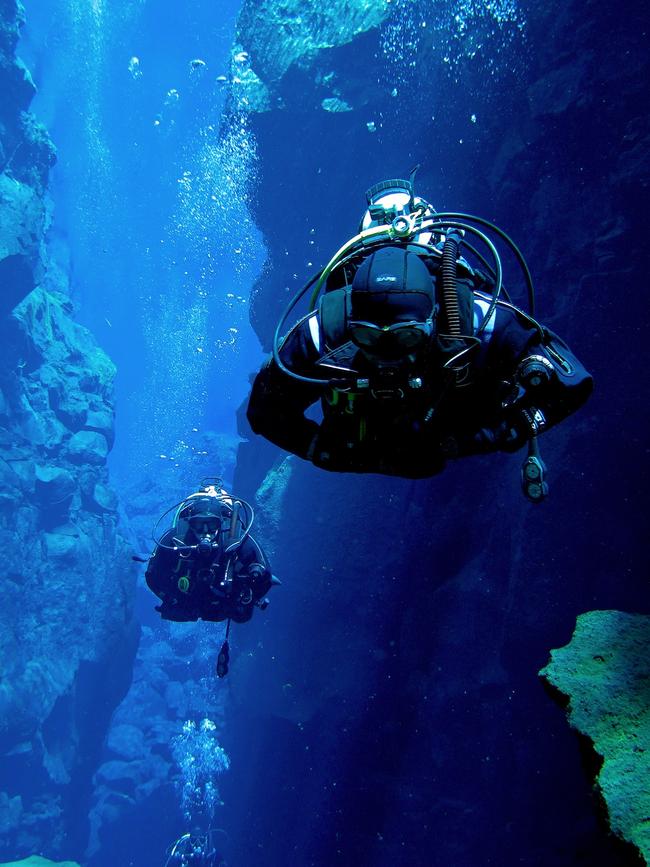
(212, 585)
(413, 432)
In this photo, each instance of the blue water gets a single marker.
(155, 258)
(156, 211)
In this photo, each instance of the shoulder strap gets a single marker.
(332, 315)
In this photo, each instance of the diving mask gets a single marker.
(204, 525)
(399, 338)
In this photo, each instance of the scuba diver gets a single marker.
(195, 850)
(207, 565)
(416, 355)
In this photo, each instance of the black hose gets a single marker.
(497, 265)
(449, 288)
(236, 502)
(276, 337)
(487, 266)
(453, 215)
(234, 521)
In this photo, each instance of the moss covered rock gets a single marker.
(605, 674)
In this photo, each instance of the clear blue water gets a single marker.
(155, 220)
(160, 257)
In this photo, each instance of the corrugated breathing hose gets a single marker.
(449, 291)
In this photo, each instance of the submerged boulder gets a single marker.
(604, 672)
(11, 810)
(88, 447)
(54, 485)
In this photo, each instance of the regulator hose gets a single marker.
(277, 342)
(453, 215)
(449, 288)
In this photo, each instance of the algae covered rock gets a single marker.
(605, 674)
(271, 497)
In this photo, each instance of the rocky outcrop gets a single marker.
(604, 676)
(275, 40)
(67, 635)
(26, 155)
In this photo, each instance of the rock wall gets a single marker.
(389, 712)
(67, 633)
(604, 675)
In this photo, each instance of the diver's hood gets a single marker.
(201, 506)
(211, 502)
(391, 285)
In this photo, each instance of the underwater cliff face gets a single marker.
(67, 635)
(390, 713)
